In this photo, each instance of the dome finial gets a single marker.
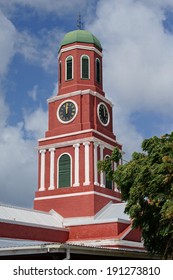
(79, 22)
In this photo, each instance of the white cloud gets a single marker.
(138, 57)
(36, 123)
(18, 168)
(4, 111)
(34, 49)
(40, 50)
(7, 35)
(33, 93)
(18, 164)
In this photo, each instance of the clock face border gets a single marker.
(57, 113)
(98, 106)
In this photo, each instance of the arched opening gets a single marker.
(69, 68)
(64, 179)
(98, 70)
(85, 67)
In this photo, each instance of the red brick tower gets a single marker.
(80, 132)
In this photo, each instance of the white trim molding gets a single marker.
(80, 92)
(52, 166)
(78, 133)
(81, 47)
(76, 164)
(81, 66)
(101, 173)
(42, 170)
(87, 163)
(77, 194)
(58, 168)
(72, 74)
(95, 164)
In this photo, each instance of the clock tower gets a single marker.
(80, 132)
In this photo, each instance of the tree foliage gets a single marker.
(146, 184)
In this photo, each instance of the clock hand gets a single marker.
(104, 111)
(66, 108)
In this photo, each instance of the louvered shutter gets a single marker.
(85, 68)
(64, 171)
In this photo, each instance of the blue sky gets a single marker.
(137, 40)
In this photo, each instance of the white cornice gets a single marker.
(81, 47)
(79, 92)
(77, 133)
(73, 142)
(76, 194)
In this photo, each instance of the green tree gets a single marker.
(146, 184)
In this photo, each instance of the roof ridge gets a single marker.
(22, 208)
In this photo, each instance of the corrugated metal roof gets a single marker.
(29, 216)
(9, 242)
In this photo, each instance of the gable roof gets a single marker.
(11, 214)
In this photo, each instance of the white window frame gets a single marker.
(66, 68)
(97, 59)
(58, 169)
(88, 67)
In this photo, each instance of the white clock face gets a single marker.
(103, 114)
(67, 111)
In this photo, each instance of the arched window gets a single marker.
(98, 71)
(60, 73)
(108, 183)
(69, 68)
(85, 67)
(64, 171)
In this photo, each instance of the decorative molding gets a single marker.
(101, 173)
(95, 164)
(66, 67)
(42, 170)
(87, 163)
(82, 65)
(52, 168)
(58, 168)
(80, 92)
(76, 162)
(77, 194)
(81, 47)
(80, 141)
(77, 133)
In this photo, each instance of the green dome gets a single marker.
(82, 36)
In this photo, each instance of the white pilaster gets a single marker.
(115, 185)
(101, 173)
(95, 164)
(52, 159)
(42, 171)
(87, 163)
(76, 162)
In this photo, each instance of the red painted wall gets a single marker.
(60, 133)
(74, 201)
(18, 231)
(77, 83)
(96, 231)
